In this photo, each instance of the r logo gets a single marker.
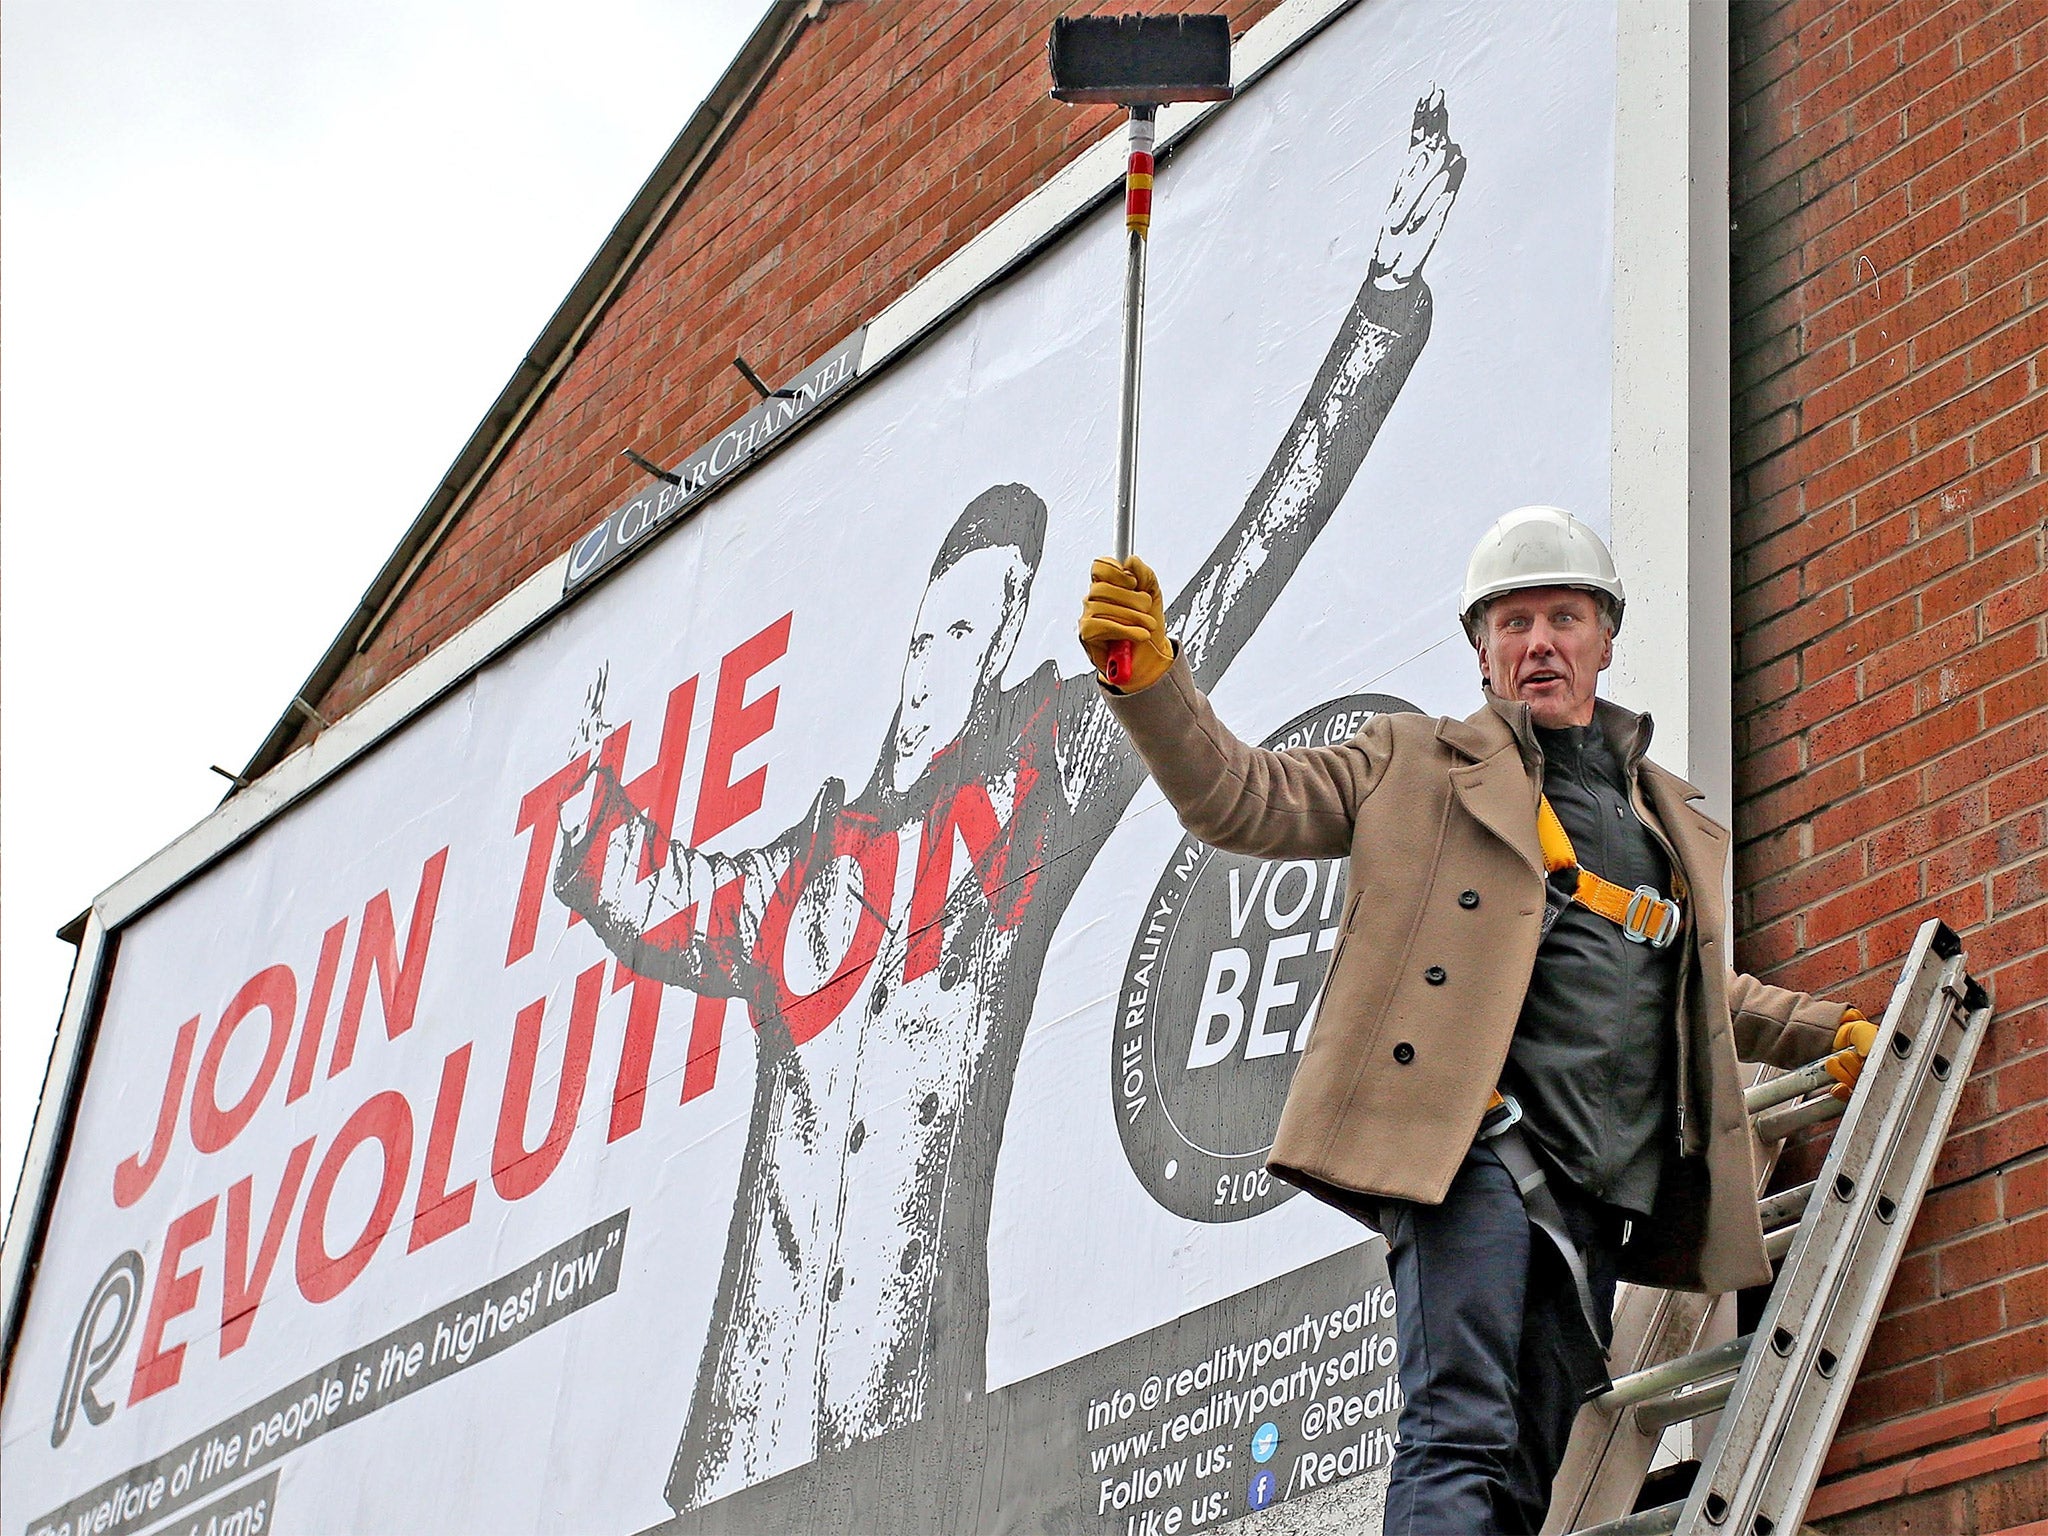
(93, 1347)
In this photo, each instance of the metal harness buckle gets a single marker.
(1650, 918)
(1503, 1116)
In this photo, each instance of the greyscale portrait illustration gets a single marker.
(889, 944)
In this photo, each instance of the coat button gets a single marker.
(859, 1136)
(1436, 975)
(1404, 1053)
(1468, 899)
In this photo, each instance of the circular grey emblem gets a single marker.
(1218, 1001)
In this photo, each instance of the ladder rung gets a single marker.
(1661, 1412)
(1789, 1085)
(1660, 1521)
(1702, 1365)
(1787, 1206)
(1777, 1124)
(1779, 1243)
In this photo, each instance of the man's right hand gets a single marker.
(1124, 603)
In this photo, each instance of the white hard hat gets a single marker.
(1538, 547)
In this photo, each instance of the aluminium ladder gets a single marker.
(1841, 1238)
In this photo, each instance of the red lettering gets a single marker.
(540, 812)
(243, 1283)
(734, 725)
(656, 791)
(874, 853)
(707, 1033)
(608, 810)
(707, 1019)
(515, 1171)
(643, 1018)
(275, 990)
(316, 1012)
(387, 1120)
(440, 1211)
(133, 1177)
(377, 950)
(176, 1293)
(970, 813)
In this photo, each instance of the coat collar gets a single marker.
(1487, 731)
(1504, 771)
(1504, 723)
(1498, 782)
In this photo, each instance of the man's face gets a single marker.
(1546, 647)
(961, 641)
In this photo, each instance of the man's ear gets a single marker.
(1485, 671)
(1016, 599)
(1606, 648)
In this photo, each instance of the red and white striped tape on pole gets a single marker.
(1138, 176)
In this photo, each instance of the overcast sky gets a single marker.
(263, 265)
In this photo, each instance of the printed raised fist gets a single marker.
(1123, 603)
(1423, 195)
(579, 808)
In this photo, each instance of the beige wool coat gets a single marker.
(1442, 918)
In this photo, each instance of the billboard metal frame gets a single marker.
(1668, 461)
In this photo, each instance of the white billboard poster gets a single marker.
(759, 1055)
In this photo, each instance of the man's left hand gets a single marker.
(1423, 195)
(1853, 1041)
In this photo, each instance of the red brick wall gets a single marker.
(1890, 251)
(892, 132)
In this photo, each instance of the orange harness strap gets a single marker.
(1642, 914)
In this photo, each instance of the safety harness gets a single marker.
(1645, 917)
(1502, 1126)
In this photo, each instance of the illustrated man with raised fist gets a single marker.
(889, 944)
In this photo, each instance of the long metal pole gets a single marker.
(1138, 221)
(1127, 413)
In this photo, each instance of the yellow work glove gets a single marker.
(1853, 1041)
(1123, 603)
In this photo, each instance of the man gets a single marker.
(1533, 906)
(889, 945)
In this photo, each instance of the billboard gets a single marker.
(758, 1054)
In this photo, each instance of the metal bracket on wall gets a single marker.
(651, 467)
(758, 384)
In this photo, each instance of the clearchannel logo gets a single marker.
(1218, 1001)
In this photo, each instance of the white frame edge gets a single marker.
(70, 1054)
(1669, 455)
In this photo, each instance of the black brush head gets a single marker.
(1139, 61)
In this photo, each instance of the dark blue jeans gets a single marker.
(1494, 1351)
